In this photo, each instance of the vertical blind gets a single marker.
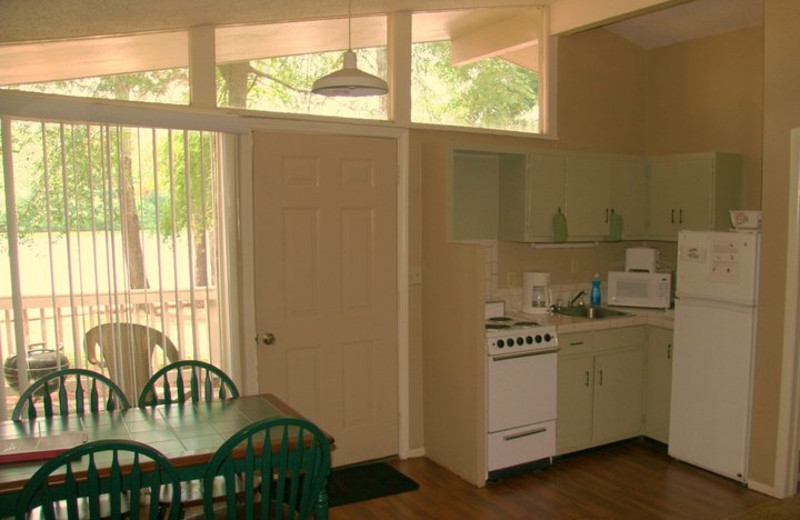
(113, 235)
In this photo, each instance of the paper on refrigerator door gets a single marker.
(718, 266)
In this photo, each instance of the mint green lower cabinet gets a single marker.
(618, 395)
(659, 383)
(600, 387)
(575, 395)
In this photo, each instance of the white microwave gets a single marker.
(637, 289)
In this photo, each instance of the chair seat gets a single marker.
(83, 510)
(192, 491)
(221, 512)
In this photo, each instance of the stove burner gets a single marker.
(525, 323)
(497, 326)
(501, 318)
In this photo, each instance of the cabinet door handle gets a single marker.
(680, 217)
(606, 215)
(575, 343)
(601, 378)
(672, 216)
(586, 382)
(669, 351)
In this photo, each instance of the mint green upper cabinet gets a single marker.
(598, 187)
(629, 195)
(474, 178)
(588, 197)
(474, 195)
(692, 191)
(530, 199)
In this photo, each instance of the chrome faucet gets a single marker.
(575, 298)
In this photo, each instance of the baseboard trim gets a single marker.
(412, 454)
(760, 487)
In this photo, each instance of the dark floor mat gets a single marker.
(366, 482)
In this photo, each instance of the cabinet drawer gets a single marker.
(620, 337)
(575, 343)
(520, 445)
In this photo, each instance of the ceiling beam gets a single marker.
(569, 16)
(37, 20)
(526, 58)
(507, 36)
(50, 61)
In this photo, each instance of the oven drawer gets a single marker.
(520, 445)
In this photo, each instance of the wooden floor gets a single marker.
(626, 481)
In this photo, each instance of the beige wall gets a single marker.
(601, 93)
(706, 95)
(781, 114)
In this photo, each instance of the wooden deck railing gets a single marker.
(189, 318)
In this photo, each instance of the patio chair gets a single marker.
(126, 350)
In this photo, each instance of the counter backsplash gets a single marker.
(513, 297)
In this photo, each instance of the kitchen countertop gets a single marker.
(565, 324)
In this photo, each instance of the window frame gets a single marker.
(202, 79)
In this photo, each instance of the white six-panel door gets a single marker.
(325, 283)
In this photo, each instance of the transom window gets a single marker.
(271, 67)
(477, 68)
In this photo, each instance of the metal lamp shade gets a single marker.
(349, 81)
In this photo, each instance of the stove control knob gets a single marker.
(548, 337)
(500, 343)
(538, 338)
(529, 340)
(520, 341)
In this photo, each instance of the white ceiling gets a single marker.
(690, 20)
(36, 20)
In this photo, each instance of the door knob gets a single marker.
(268, 338)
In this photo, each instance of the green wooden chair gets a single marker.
(206, 383)
(108, 480)
(275, 468)
(78, 391)
(169, 386)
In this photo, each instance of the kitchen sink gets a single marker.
(592, 313)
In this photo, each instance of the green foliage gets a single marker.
(156, 86)
(72, 185)
(187, 200)
(491, 93)
(283, 85)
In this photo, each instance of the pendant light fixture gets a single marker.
(350, 81)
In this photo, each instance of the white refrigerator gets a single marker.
(713, 350)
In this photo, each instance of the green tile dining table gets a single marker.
(187, 434)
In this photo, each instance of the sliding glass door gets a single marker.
(113, 238)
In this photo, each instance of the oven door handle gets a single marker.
(528, 433)
(504, 357)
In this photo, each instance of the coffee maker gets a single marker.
(536, 297)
